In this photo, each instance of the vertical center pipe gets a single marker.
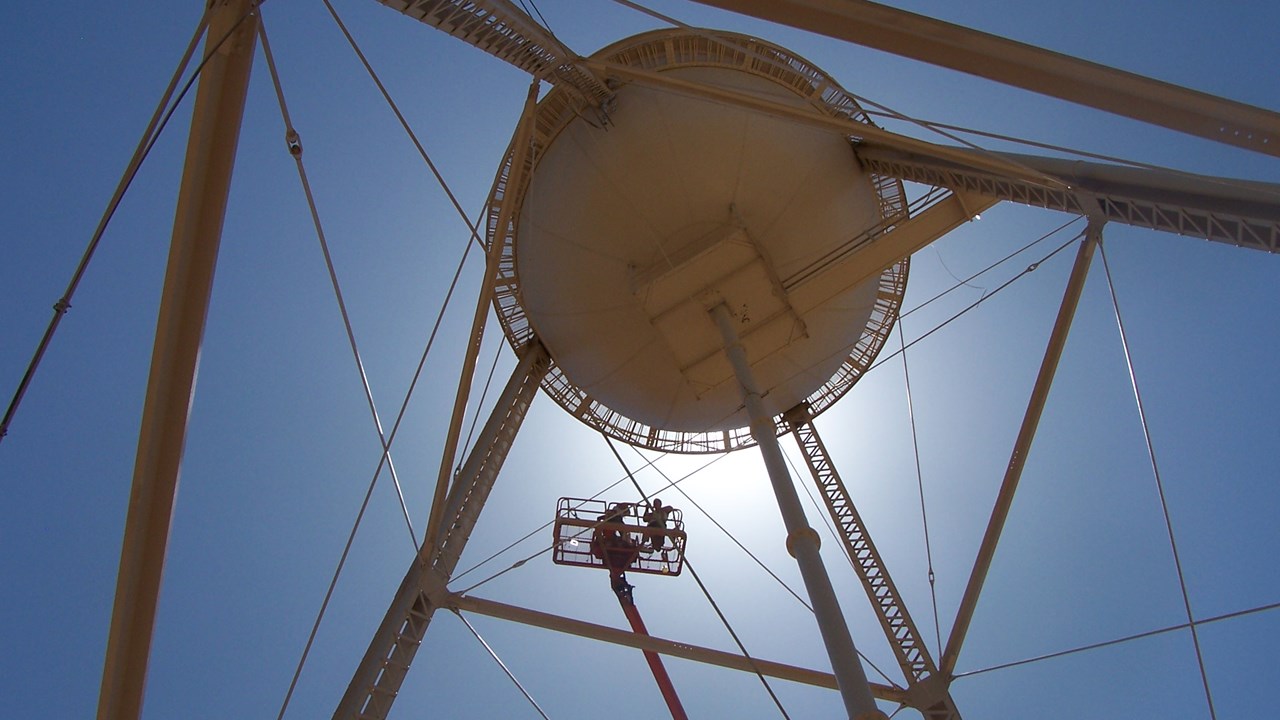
(802, 540)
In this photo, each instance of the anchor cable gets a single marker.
(549, 548)
(704, 588)
(1155, 471)
(533, 532)
(643, 495)
(404, 406)
(155, 127)
(295, 148)
(413, 137)
(757, 560)
(1118, 641)
(1026, 271)
(735, 540)
(924, 517)
(965, 282)
(502, 665)
(294, 143)
(743, 648)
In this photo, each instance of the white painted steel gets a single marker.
(628, 234)
(1022, 445)
(184, 304)
(802, 540)
(1025, 66)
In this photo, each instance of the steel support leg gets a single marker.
(1022, 446)
(377, 680)
(926, 689)
(184, 303)
(508, 187)
(802, 540)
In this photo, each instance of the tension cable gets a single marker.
(152, 133)
(1118, 641)
(1155, 471)
(473, 227)
(1006, 258)
(295, 149)
(294, 144)
(731, 536)
(551, 547)
(924, 517)
(736, 639)
(502, 665)
(749, 554)
(1029, 269)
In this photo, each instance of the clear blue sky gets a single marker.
(281, 446)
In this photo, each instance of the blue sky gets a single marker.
(281, 447)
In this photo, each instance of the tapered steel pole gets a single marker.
(184, 303)
(802, 540)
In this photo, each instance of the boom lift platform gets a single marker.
(600, 534)
(621, 538)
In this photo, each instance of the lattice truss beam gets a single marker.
(377, 681)
(926, 690)
(501, 29)
(1236, 212)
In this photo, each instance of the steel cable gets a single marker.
(294, 144)
(1029, 269)
(549, 548)
(752, 555)
(295, 149)
(734, 539)
(1118, 641)
(743, 648)
(924, 517)
(473, 227)
(155, 127)
(1155, 471)
(493, 654)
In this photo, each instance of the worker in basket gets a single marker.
(612, 543)
(655, 521)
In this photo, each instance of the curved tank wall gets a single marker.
(630, 234)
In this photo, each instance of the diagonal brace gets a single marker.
(1021, 447)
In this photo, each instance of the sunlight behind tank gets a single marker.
(630, 233)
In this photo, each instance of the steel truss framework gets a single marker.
(674, 49)
(1229, 211)
(1247, 216)
(500, 29)
(377, 681)
(926, 690)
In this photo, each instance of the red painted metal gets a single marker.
(623, 591)
(583, 537)
(622, 538)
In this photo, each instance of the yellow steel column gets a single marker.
(197, 228)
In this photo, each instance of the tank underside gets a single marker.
(629, 233)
